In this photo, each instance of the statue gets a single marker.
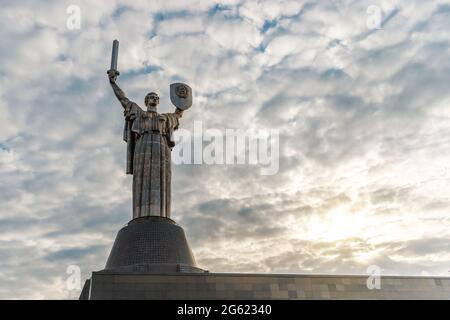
(148, 135)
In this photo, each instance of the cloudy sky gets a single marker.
(357, 89)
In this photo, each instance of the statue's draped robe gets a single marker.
(149, 143)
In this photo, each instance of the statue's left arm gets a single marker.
(176, 118)
(178, 113)
(172, 123)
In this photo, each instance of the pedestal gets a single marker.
(151, 245)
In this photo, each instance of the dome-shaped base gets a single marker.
(151, 245)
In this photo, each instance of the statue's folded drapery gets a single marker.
(149, 142)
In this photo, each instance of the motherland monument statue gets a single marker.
(151, 241)
(149, 137)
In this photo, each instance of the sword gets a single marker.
(114, 56)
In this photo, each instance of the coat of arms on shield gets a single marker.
(181, 95)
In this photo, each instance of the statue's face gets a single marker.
(152, 100)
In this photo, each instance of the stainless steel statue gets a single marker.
(149, 143)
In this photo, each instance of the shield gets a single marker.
(181, 95)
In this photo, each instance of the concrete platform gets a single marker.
(185, 286)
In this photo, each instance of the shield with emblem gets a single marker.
(181, 95)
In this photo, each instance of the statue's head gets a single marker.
(151, 101)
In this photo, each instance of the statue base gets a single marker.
(186, 286)
(151, 245)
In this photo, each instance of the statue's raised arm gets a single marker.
(112, 75)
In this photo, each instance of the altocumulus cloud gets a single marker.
(362, 111)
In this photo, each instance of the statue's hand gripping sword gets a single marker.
(112, 72)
